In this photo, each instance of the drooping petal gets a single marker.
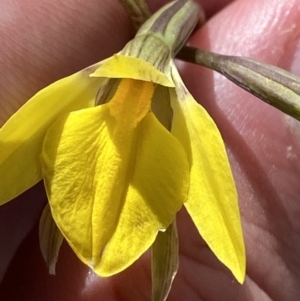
(212, 201)
(112, 188)
(22, 135)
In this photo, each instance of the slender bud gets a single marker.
(165, 262)
(50, 239)
(275, 86)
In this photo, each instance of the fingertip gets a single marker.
(44, 41)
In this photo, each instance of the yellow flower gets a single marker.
(117, 173)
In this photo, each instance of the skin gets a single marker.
(44, 41)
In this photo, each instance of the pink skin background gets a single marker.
(42, 41)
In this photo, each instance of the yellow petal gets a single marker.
(22, 135)
(121, 66)
(212, 201)
(112, 188)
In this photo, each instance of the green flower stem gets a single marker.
(275, 86)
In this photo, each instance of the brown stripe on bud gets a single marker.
(177, 22)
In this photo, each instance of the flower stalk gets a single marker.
(137, 10)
